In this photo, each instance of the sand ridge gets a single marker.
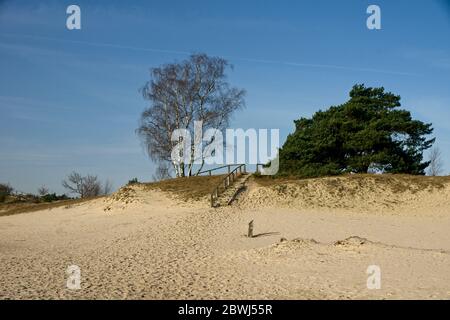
(367, 194)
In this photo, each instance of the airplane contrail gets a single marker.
(178, 52)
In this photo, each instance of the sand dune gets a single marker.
(148, 244)
(365, 193)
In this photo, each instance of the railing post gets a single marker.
(228, 169)
(209, 172)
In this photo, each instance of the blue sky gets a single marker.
(69, 100)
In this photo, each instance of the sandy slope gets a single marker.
(157, 247)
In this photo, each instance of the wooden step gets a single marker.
(229, 195)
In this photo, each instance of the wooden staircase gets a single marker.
(230, 194)
(230, 187)
(226, 191)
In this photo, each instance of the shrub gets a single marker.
(133, 181)
(5, 190)
(50, 197)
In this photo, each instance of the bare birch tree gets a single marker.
(436, 166)
(181, 94)
(162, 172)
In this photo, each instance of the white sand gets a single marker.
(156, 247)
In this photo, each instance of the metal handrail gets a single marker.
(226, 182)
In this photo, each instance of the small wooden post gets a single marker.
(209, 172)
(228, 169)
(250, 229)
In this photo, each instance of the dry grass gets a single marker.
(198, 187)
(23, 207)
(192, 188)
(188, 188)
(397, 183)
(360, 192)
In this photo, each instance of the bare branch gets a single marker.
(42, 191)
(88, 186)
(436, 165)
(162, 172)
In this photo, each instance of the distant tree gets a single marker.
(436, 165)
(5, 190)
(162, 172)
(42, 191)
(368, 131)
(107, 187)
(88, 186)
(180, 94)
(74, 183)
(92, 186)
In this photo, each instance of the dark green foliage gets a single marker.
(5, 190)
(133, 181)
(368, 131)
(50, 197)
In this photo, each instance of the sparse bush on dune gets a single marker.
(50, 197)
(133, 181)
(8, 196)
(21, 198)
(5, 190)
